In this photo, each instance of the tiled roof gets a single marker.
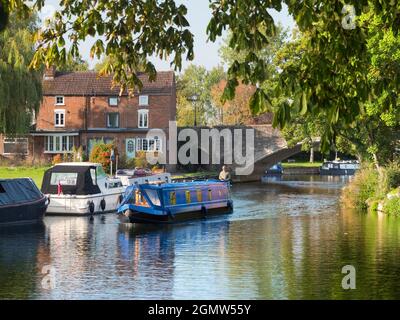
(90, 83)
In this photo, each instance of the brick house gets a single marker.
(80, 108)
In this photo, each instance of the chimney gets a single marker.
(50, 73)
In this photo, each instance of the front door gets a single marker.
(130, 148)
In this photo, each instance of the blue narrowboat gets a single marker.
(172, 202)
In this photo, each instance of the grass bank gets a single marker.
(288, 165)
(36, 173)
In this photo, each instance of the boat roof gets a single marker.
(191, 184)
(78, 164)
(18, 191)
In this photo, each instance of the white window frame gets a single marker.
(143, 101)
(108, 119)
(144, 113)
(154, 142)
(59, 112)
(113, 105)
(60, 138)
(60, 103)
(15, 140)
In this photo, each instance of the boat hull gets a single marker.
(23, 213)
(337, 172)
(65, 205)
(140, 217)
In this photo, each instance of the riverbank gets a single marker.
(374, 191)
(36, 173)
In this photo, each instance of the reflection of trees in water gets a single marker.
(372, 246)
(302, 257)
(285, 258)
(22, 252)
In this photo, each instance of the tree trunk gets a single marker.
(312, 155)
(381, 173)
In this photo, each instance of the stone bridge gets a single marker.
(263, 141)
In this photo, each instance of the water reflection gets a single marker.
(287, 239)
(22, 252)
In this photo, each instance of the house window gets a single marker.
(60, 101)
(113, 120)
(59, 118)
(58, 144)
(143, 100)
(145, 144)
(143, 119)
(130, 146)
(15, 146)
(113, 101)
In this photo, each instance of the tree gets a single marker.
(197, 80)
(73, 64)
(20, 87)
(236, 111)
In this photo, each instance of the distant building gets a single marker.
(80, 108)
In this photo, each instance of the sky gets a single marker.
(199, 14)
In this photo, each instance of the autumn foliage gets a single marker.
(236, 111)
(101, 153)
(57, 159)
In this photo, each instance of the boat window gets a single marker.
(93, 175)
(64, 178)
(199, 195)
(2, 189)
(187, 193)
(172, 198)
(209, 195)
(153, 196)
(114, 184)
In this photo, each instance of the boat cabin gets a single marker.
(76, 179)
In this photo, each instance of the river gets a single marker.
(287, 239)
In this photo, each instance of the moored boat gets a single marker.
(81, 188)
(21, 201)
(172, 202)
(140, 176)
(276, 169)
(339, 168)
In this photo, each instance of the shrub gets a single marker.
(57, 159)
(362, 188)
(126, 163)
(101, 154)
(393, 175)
(140, 160)
(392, 206)
(77, 154)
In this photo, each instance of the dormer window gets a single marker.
(143, 101)
(60, 101)
(113, 101)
